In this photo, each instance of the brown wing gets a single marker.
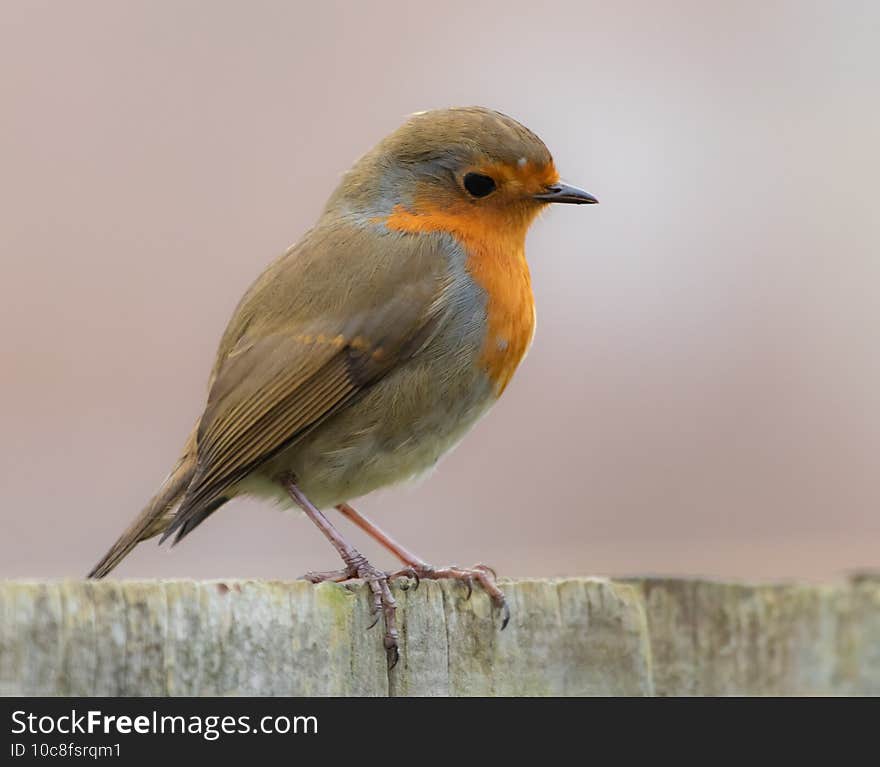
(270, 390)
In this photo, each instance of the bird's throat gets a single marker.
(497, 262)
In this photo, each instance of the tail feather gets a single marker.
(156, 515)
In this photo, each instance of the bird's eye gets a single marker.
(479, 185)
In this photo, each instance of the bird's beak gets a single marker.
(564, 193)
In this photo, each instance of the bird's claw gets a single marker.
(392, 654)
(485, 569)
(383, 603)
(406, 572)
(333, 576)
(505, 613)
(482, 574)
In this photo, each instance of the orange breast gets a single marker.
(496, 260)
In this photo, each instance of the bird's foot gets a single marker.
(332, 576)
(383, 604)
(482, 574)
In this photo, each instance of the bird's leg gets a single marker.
(416, 567)
(356, 566)
(380, 536)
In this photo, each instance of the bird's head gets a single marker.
(453, 168)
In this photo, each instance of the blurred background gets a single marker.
(703, 392)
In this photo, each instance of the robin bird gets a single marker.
(368, 350)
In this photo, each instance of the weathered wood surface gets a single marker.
(579, 636)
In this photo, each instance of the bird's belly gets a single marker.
(398, 430)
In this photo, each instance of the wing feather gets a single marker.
(291, 358)
(276, 390)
